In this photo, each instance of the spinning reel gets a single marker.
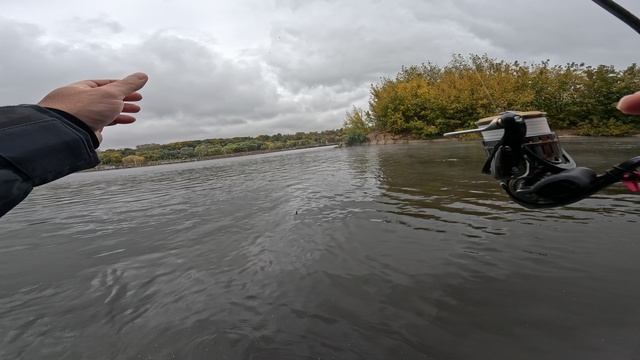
(526, 157)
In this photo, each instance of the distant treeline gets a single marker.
(428, 100)
(202, 149)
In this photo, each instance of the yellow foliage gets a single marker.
(428, 100)
(133, 160)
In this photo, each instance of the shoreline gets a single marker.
(223, 156)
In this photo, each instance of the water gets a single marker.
(379, 252)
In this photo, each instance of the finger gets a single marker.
(123, 119)
(136, 96)
(130, 108)
(630, 104)
(129, 84)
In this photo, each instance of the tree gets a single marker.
(201, 150)
(355, 127)
(214, 150)
(110, 157)
(427, 100)
(133, 160)
(186, 152)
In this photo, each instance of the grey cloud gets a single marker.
(96, 24)
(31, 66)
(189, 78)
(564, 31)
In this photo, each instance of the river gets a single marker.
(373, 252)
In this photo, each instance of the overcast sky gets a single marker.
(236, 68)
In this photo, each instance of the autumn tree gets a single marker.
(356, 127)
(427, 100)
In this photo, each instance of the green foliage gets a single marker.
(186, 152)
(429, 100)
(110, 157)
(356, 128)
(214, 150)
(202, 149)
(133, 160)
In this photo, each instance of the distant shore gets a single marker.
(222, 156)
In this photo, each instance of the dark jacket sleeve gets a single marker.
(37, 146)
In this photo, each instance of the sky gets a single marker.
(250, 67)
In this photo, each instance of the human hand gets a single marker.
(630, 104)
(99, 103)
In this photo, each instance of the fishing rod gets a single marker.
(525, 156)
(621, 13)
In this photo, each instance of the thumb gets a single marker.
(630, 104)
(129, 84)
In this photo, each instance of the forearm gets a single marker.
(38, 146)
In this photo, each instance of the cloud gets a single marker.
(96, 25)
(563, 31)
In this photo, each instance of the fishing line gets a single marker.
(486, 90)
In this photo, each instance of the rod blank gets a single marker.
(621, 13)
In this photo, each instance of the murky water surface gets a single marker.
(379, 252)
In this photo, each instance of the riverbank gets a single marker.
(222, 156)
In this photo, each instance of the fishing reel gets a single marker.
(526, 157)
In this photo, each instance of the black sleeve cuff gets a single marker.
(79, 123)
(42, 144)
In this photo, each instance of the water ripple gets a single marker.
(374, 252)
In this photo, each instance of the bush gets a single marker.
(133, 160)
(355, 138)
(356, 128)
